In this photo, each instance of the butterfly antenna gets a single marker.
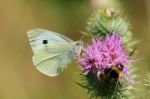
(83, 36)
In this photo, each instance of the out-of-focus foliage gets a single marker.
(20, 79)
(147, 79)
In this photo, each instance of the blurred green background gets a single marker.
(19, 79)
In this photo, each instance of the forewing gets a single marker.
(53, 59)
(40, 38)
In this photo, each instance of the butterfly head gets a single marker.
(78, 48)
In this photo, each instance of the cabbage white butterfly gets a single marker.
(52, 51)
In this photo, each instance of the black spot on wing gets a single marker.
(45, 41)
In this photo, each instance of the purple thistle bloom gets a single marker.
(103, 54)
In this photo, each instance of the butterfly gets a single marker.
(52, 51)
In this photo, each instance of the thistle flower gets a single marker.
(105, 67)
(102, 55)
(107, 73)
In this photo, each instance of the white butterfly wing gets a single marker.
(52, 60)
(38, 36)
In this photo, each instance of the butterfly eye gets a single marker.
(79, 43)
(45, 41)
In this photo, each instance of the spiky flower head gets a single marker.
(106, 63)
(103, 54)
(105, 67)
